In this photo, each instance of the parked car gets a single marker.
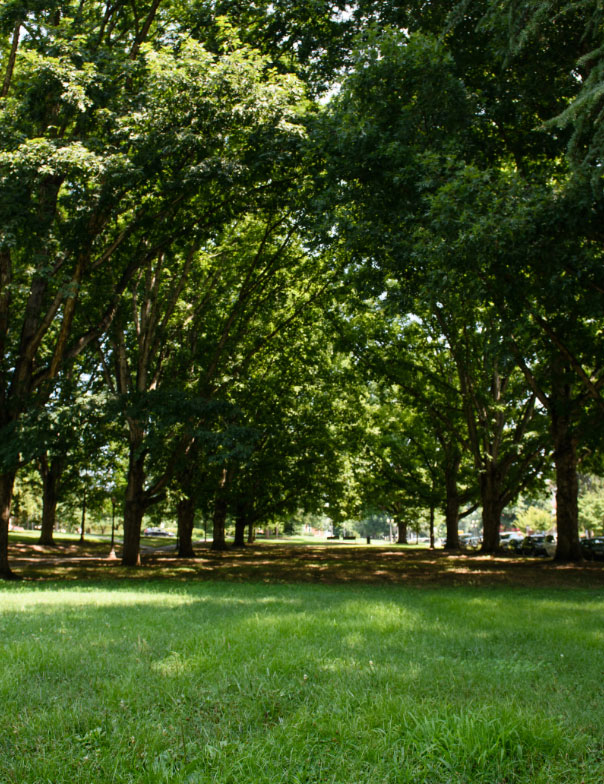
(539, 544)
(469, 541)
(593, 548)
(157, 532)
(510, 541)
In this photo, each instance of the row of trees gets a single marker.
(259, 298)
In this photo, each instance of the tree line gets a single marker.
(275, 256)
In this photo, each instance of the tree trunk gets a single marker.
(185, 512)
(134, 509)
(12, 58)
(452, 504)
(567, 522)
(219, 523)
(490, 495)
(220, 515)
(432, 528)
(251, 532)
(565, 459)
(83, 522)
(51, 474)
(402, 532)
(112, 554)
(7, 482)
(451, 514)
(241, 522)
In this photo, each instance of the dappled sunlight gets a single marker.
(208, 670)
(174, 665)
(279, 562)
(96, 597)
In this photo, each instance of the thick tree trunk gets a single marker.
(185, 512)
(402, 532)
(220, 515)
(241, 522)
(133, 518)
(567, 522)
(565, 459)
(251, 532)
(7, 482)
(490, 496)
(134, 509)
(451, 510)
(51, 474)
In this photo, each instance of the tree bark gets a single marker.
(12, 57)
(134, 507)
(567, 522)
(50, 472)
(241, 522)
(185, 512)
(490, 495)
(251, 532)
(7, 482)
(565, 459)
(402, 532)
(83, 521)
(220, 514)
(452, 506)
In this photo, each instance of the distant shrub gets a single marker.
(535, 519)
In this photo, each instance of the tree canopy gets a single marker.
(285, 255)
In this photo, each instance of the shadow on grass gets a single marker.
(283, 563)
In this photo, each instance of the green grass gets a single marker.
(31, 537)
(237, 683)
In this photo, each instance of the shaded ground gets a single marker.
(277, 563)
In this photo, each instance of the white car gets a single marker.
(510, 540)
(157, 532)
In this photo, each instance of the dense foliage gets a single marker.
(276, 258)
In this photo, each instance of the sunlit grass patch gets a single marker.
(152, 682)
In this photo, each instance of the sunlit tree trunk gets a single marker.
(401, 526)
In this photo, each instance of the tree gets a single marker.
(102, 175)
(294, 399)
(535, 519)
(407, 198)
(591, 504)
(97, 165)
(373, 525)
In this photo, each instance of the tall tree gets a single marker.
(112, 149)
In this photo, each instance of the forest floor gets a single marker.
(282, 562)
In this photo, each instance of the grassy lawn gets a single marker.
(151, 681)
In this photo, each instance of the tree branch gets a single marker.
(10, 66)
